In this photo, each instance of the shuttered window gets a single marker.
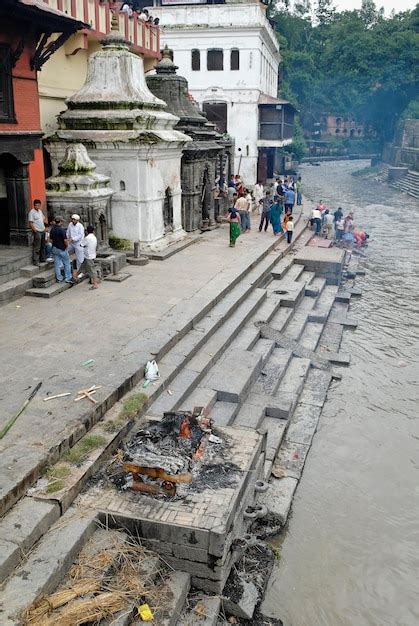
(7, 114)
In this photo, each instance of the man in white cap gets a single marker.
(75, 235)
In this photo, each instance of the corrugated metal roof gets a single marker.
(265, 99)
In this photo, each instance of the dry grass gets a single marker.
(109, 576)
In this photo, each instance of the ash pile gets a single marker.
(174, 456)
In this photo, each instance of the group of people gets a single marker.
(337, 227)
(280, 198)
(54, 242)
(131, 6)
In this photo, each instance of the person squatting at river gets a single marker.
(234, 220)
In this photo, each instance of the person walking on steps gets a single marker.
(89, 244)
(290, 228)
(234, 220)
(37, 221)
(265, 216)
(60, 254)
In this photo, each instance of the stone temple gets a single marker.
(132, 138)
(203, 159)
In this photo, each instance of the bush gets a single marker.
(117, 243)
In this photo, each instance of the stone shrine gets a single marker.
(79, 189)
(133, 141)
(203, 159)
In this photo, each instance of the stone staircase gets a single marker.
(222, 363)
(409, 184)
(18, 277)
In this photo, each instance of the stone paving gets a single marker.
(117, 326)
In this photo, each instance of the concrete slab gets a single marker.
(179, 584)
(27, 522)
(233, 375)
(276, 430)
(279, 497)
(224, 413)
(47, 564)
(9, 558)
(204, 612)
(303, 424)
(291, 458)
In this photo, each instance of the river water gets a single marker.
(350, 553)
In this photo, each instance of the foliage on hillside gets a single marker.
(356, 63)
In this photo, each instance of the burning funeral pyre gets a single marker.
(172, 456)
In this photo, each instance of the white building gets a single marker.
(230, 56)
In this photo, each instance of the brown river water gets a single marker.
(350, 552)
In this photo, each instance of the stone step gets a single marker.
(21, 528)
(297, 324)
(233, 375)
(179, 584)
(311, 335)
(5, 278)
(293, 381)
(44, 279)
(15, 261)
(14, 289)
(48, 292)
(281, 319)
(46, 565)
(266, 312)
(294, 273)
(224, 413)
(197, 367)
(293, 293)
(278, 498)
(272, 372)
(276, 429)
(202, 610)
(29, 271)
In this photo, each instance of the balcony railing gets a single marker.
(144, 37)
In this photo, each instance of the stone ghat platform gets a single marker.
(327, 263)
(202, 533)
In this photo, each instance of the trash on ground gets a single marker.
(151, 371)
(58, 395)
(88, 362)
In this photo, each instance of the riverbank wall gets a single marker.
(258, 359)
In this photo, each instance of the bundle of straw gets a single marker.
(45, 605)
(91, 610)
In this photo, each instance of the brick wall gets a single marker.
(25, 85)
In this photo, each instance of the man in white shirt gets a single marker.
(89, 244)
(37, 221)
(316, 220)
(258, 194)
(75, 235)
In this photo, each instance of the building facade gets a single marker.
(25, 46)
(229, 55)
(65, 73)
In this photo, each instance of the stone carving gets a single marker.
(79, 189)
(132, 139)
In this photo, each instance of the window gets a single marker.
(196, 60)
(7, 113)
(235, 59)
(216, 113)
(215, 61)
